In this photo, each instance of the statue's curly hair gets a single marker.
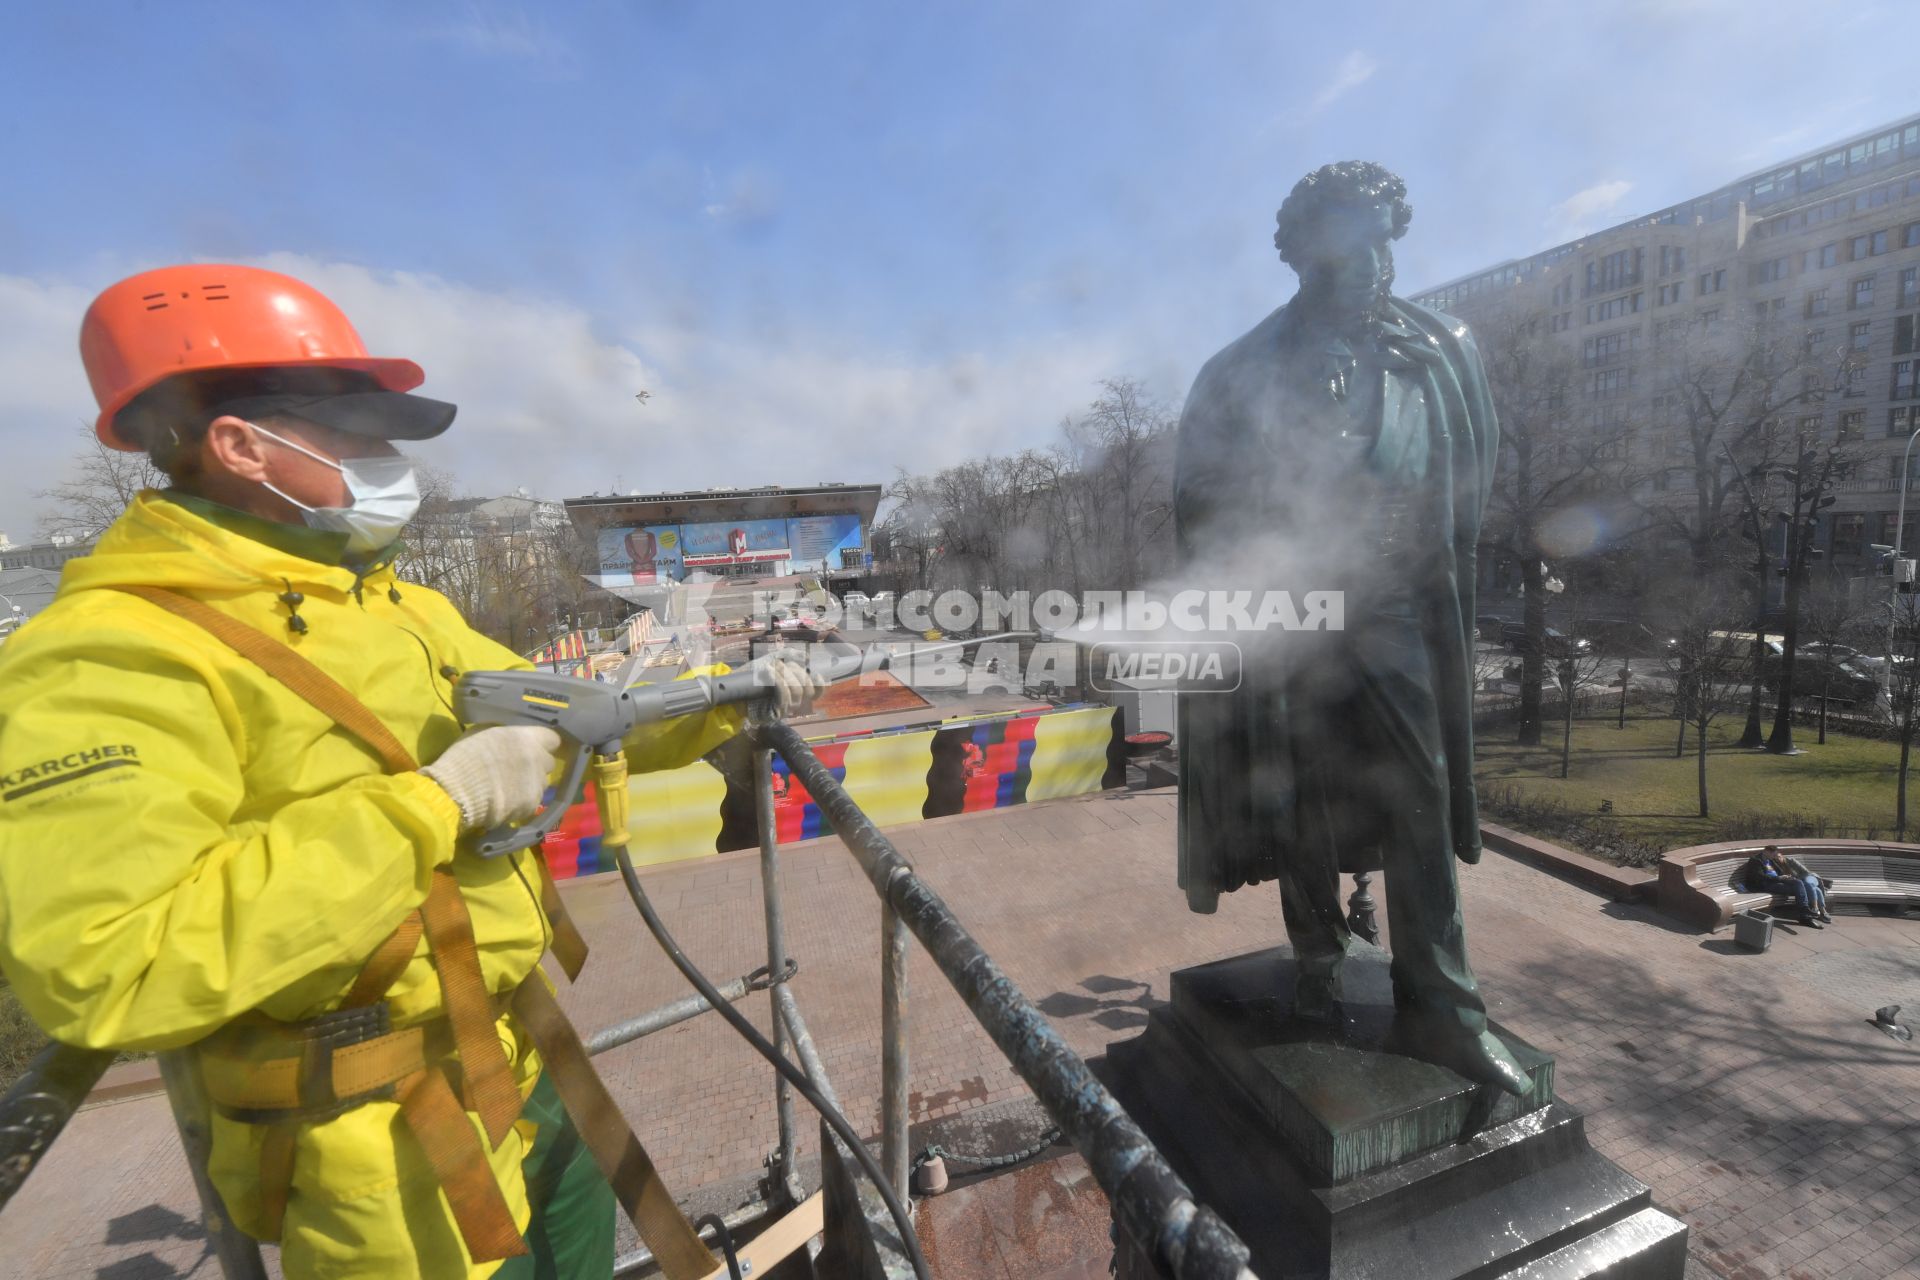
(1348, 183)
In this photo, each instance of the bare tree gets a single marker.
(1091, 512)
(1122, 450)
(1832, 618)
(1809, 481)
(1710, 669)
(1548, 462)
(1575, 666)
(1727, 385)
(1904, 684)
(98, 484)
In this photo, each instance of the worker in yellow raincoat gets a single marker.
(191, 851)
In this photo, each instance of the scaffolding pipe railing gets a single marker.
(1151, 1204)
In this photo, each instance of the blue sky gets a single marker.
(832, 241)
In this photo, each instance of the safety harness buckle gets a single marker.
(337, 1030)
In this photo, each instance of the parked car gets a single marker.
(1843, 653)
(1625, 638)
(1741, 644)
(1555, 643)
(1841, 682)
(1487, 626)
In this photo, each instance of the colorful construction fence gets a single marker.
(896, 775)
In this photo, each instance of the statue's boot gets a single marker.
(1316, 998)
(1480, 1057)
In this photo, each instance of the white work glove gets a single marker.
(794, 683)
(497, 775)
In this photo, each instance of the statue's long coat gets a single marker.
(1237, 812)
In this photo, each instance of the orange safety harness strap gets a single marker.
(320, 690)
(431, 1111)
(636, 1183)
(384, 967)
(453, 1148)
(427, 1101)
(490, 1089)
(333, 700)
(569, 948)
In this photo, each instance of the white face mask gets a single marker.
(385, 491)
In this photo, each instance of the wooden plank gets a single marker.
(779, 1240)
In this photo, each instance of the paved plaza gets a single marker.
(1749, 1090)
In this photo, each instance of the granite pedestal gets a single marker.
(1336, 1151)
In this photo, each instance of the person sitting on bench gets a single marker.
(1768, 872)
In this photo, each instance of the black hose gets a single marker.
(726, 1242)
(794, 1076)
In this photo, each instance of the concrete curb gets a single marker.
(1619, 883)
(127, 1080)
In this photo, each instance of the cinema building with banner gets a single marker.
(658, 539)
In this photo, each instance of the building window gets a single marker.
(1710, 320)
(1561, 323)
(1898, 425)
(1767, 272)
(1859, 335)
(1816, 303)
(1712, 281)
(1830, 254)
(1903, 380)
(1809, 427)
(1853, 425)
(1563, 292)
(1903, 330)
(1849, 534)
(1670, 293)
(1613, 308)
(1610, 383)
(1910, 287)
(1891, 537)
(1673, 259)
(1860, 293)
(1615, 271)
(1871, 245)
(1910, 238)
(1612, 347)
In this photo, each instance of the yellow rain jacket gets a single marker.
(182, 840)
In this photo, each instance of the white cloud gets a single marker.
(506, 31)
(43, 393)
(1587, 210)
(547, 397)
(1354, 70)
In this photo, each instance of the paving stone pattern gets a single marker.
(1747, 1089)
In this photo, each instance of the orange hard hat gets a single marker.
(214, 317)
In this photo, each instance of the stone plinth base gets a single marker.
(1337, 1153)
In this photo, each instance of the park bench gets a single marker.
(1696, 884)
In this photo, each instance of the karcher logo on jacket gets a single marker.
(71, 767)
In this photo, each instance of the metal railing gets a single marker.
(1150, 1203)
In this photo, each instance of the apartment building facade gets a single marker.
(1826, 244)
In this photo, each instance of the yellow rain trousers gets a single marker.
(182, 840)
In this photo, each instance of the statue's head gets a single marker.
(1336, 230)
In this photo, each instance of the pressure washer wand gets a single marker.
(594, 719)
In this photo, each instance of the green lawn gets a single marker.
(1845, 788)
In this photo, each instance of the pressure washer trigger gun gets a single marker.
(592, 720)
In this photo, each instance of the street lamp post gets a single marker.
(1899, 528)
